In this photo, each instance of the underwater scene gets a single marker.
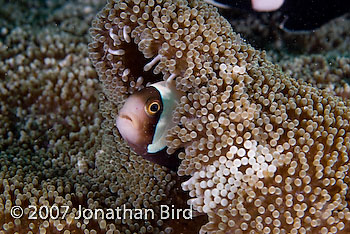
(174, 116)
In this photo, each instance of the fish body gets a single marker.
(145, 119)
(297, 15)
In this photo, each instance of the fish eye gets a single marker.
(153, 108)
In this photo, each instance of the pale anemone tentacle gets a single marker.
(155, 60)
(125, 75)
(116, 52)
(239, 69)
(139, 82)
(171, 78)
(82, 165)
(126, 72)
(125, 34)
(113, 36)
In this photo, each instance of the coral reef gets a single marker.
(265, 152)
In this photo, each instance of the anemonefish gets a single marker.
(296, 15)
(145, 118)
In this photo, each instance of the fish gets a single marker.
(146, 117)
(296, 15)
(255, 5)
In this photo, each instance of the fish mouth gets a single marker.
(128, 129)
(127, 117)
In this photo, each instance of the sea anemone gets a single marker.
(264, 152)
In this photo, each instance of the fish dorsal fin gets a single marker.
(217, 4)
